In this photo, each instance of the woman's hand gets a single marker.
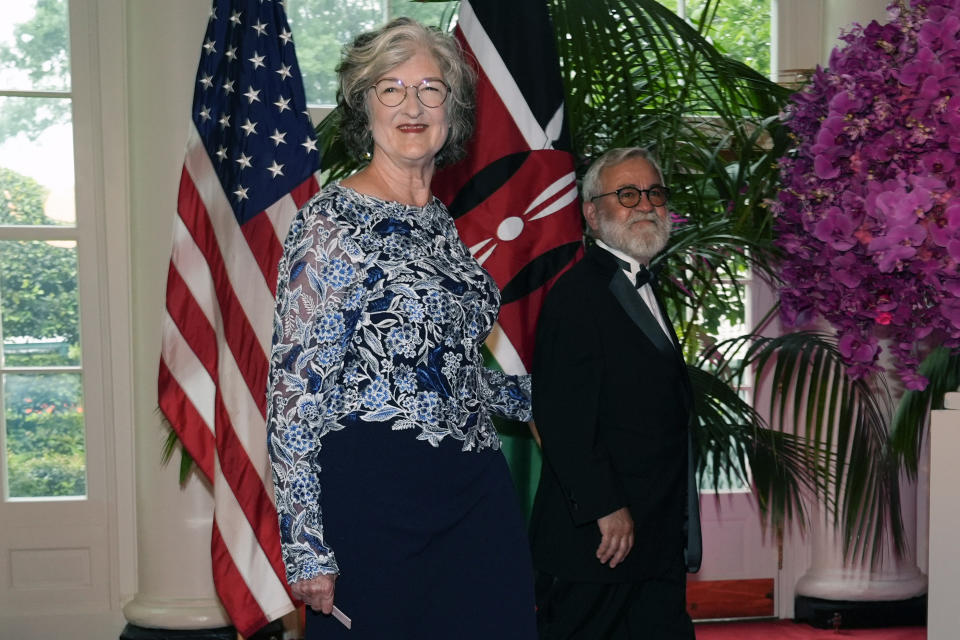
(316, 593)
(535, 433)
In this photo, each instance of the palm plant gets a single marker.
(638, 75)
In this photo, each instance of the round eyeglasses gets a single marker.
(431, 92)
(630, 196)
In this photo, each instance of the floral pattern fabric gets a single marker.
(381, 314)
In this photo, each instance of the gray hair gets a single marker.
(591, 179)
(374, 53)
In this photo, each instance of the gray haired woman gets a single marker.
(394, 500)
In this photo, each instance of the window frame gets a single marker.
(100, 528)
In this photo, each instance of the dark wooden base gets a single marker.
(272, 631)
(721, 599)
(133, 632)
(851, 614)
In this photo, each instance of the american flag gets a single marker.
(250, 164)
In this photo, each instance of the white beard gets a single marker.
(641, 244)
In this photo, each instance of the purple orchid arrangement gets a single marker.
(868, 218)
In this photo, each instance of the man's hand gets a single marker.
(316, 593)
(616, 537)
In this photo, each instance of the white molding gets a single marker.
(114, 232)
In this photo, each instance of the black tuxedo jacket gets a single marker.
(613, 405)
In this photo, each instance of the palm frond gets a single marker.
(842, 422)
(733, 440)
(943, 370)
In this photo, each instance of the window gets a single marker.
(42, 418)
(322, 27)
(739, 28)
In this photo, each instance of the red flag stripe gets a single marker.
(246, 484)
(192, 267)
(237, 598)
(238, 332)
(250, 288)
(305, 190)
(186, 421)
(190, 321)
(181, 360)
(259, 559)
(262, 239)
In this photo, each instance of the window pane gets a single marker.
(46, 451)
(36, 161)
(741, 29)
(34, 46)
(321, 28)
(38, 303)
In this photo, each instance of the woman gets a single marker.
(395, 502)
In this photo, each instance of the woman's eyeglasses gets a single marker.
(430, 92)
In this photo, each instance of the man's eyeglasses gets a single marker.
(431, 92)
(630, 196)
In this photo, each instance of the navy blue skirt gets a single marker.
(430, 540)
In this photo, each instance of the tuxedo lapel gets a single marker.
(687, 389)
(628, 297)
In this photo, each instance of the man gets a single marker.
(610, 529)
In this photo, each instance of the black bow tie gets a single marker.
(644, 276)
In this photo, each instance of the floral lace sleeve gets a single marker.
(506, 395)
(319, 300)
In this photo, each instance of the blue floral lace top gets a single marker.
(381, 313)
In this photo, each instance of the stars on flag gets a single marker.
(252, 94)
(257, 60)
(275, 169)
(258, 91)
(244, 161)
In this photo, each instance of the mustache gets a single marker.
(649, 216)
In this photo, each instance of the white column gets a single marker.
(943, 614)
(839, 15)
(175, 586)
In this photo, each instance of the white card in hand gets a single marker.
(342, 617)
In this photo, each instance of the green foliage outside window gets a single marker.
(43, 411)
(38, 280)
(321, 28)
(45, 435)
(738, 28)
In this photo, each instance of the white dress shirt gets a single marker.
(646, 291)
